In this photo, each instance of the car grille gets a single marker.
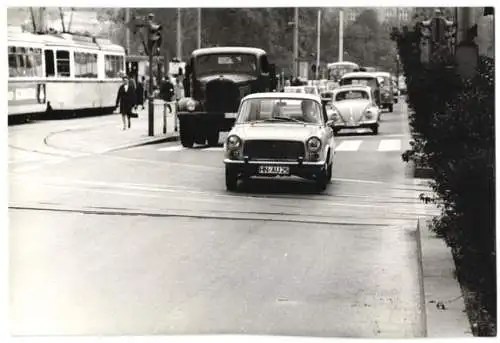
(222, 96)
(275, 150)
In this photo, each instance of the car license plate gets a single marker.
(274, 170)
(230, 115)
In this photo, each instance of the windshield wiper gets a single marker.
(278, 118)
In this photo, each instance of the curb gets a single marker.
(444, 307)
(423, 303)
(158, 140)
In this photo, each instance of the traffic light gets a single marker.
(154, 37)
(155, 32)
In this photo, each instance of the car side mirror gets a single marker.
(330, 123)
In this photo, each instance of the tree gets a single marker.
(368, 42)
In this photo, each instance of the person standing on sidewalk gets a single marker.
(140, 93)
(126, 100)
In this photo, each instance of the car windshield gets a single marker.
(351, 94)
(226, 63)
(280, 110)
(366, 81)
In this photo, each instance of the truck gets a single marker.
(215, 81)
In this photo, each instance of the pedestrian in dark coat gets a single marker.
(140, 93)
(126, 100)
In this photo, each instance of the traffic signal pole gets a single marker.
(151, 126)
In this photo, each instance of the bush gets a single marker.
(453, 127)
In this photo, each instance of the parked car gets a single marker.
(402, 85)
(279, 135)
(354, 106)
(395, 90)
(386, 94)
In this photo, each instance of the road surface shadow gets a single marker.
(295, 186)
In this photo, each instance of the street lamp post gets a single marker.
(199, 28)
(341, 35)
(179, 35)
(318, 45)
(296, 44)
(153, 39)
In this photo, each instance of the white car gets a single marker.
(279, 135)
(354, 106)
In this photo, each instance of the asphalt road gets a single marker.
(147, 241)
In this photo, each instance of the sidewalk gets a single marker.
(445, 315)
(107, 134)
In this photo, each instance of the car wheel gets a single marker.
(231, 179)
(213, 138)
(322, 180)
(391, 108)
(375, 129)
(329, 172)
(187, 138)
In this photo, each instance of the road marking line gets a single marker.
(172, 148)
(358, 181)
(390, 145)
(214, 149)
(350, 145)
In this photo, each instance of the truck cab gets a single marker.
(215, 82)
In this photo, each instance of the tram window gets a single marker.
(49, 63)
(85, 65)
(25, 62)
(62, 57)
(113, 66)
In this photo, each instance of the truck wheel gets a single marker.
(187, 138)
(231, 179)
(200, 139)
(213, 138)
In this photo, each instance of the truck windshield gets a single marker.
(372, 82)
(226, 63)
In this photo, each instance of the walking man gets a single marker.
(126, 100)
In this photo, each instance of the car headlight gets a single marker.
(368, 114)
(233, 142)
(313, 144)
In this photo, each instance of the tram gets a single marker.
(59, 73)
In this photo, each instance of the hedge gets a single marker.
(453, 127)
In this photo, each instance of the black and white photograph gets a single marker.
(248, 173)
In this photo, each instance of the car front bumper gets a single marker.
(251, 168)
